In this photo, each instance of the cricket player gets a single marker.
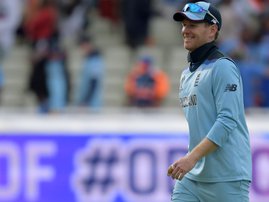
(217, 167)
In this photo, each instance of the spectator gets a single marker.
(264, 54)
(136, 18)
(37, 79)
(90, 88)
(72, 15)
(10, 17)
(40, 25)
(246, 52)
(110, 9)
(229, 14)
(146, 86)
(259, 5)
(57, 75)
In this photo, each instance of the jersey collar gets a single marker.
(198, 56)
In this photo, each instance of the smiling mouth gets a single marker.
(188, 39)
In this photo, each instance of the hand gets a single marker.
(182, 166)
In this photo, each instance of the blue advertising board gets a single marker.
(103, 167)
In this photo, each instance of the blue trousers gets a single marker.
(191, 191)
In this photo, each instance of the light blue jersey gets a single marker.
(212, 101)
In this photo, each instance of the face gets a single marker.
(196, 34)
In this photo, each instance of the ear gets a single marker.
(213, 30)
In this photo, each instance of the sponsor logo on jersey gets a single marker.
(230, 87)
(188, 101)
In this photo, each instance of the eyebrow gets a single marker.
(195, 22)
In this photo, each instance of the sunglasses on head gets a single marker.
(194, 8)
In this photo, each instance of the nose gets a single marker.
(184, 30)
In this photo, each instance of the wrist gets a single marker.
(193, 157)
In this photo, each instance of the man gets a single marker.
(90, 89)
(218, 164)
(146, 86)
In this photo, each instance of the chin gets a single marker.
(188, 48)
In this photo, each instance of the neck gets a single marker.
(199, 55)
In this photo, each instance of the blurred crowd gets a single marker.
(245, 39)
(45, 25)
